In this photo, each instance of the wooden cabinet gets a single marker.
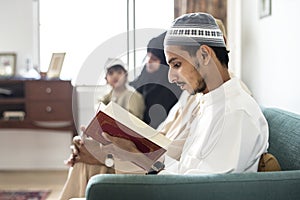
(47, 104)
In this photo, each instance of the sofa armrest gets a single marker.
(246, 186)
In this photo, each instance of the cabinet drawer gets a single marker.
(49, 111)
(48, 90)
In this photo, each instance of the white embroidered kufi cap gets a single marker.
(195, 29)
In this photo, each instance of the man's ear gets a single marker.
(204, 54)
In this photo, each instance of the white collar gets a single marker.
(228, 88)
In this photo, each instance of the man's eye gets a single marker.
(176, 65)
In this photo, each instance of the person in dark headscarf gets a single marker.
(159, 94)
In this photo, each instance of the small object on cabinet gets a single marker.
(13, 115)
(55, 65)
(4, 91)
(7, 65)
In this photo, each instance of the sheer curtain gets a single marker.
(78, 27)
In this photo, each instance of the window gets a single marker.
(79, 27)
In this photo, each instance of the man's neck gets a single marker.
(216, 80)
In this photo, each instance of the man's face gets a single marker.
(183, 70)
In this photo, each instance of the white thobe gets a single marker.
(228, 133)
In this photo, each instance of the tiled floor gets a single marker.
(35, 180)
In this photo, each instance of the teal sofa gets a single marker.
(284, 144)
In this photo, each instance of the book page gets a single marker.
(132, 122)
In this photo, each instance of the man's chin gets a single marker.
(198, 90)
(190, 91)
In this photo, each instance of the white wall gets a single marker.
(16, 30)
(270, 57)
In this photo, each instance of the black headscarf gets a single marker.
(159, 94)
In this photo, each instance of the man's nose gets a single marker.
(172, 75)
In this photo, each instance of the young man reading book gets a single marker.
(227, 130)
(87, 157)
(175, 155)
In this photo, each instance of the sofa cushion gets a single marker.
(236, 186)
(284, 141)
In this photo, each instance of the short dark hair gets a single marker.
(221, 53)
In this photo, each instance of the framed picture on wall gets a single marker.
(265, 8)
(55, 65)
(7, 65)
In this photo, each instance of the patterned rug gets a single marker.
(23, 195)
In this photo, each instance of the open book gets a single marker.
(116, 121)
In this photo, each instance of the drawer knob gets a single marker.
(48, 90)
(48, 109)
